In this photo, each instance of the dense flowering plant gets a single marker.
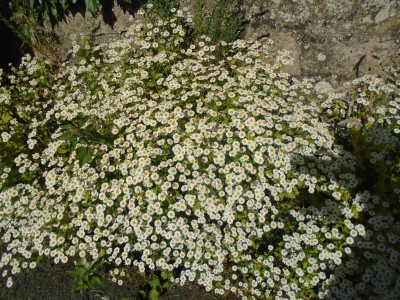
(152, 152)
(368, 121)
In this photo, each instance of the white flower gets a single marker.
(5, 136)
(9, 282)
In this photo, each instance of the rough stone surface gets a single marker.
(109, 24)
(323, 87)
(331, 40)
(329, 37)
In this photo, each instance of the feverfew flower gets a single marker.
(150, 152)
(5, 136)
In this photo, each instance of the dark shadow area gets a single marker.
(107, 12)
(132, 7)
(12, 48)
(350, 273)
(78, 7)
(106, 9)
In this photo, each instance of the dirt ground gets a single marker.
(49, 281)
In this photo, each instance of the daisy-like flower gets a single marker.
(9, 282)
(191, 167)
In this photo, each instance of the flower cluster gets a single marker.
(153, 153)
(372, 125)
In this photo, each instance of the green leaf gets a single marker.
(95, 281)
(164, 275)
(82, 121)
(93, 85)
(46, 17)
(155, 282)
(64, 4)
(62, 150)
(87, 158)
(86, 278)
(92, 6)
(91, 132)
(32, 17)
(168, 285)
(129, 276)
(83, 155)
(80, 272)
(153, 295)
(91, 128)
(86, 195)
(88, 133)
(72, 145)
(82, 286)
(24, 30)
(64, 136)
(197, 205)
(66, 126)
(54, 12)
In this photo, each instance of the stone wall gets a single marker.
(330, 40)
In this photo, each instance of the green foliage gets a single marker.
(370, 132)
(171, 159)
(29, 18)
(85, 274)
(224, 23)
(163, 8)
(157, 285)
(79, 130)
(37, 13)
